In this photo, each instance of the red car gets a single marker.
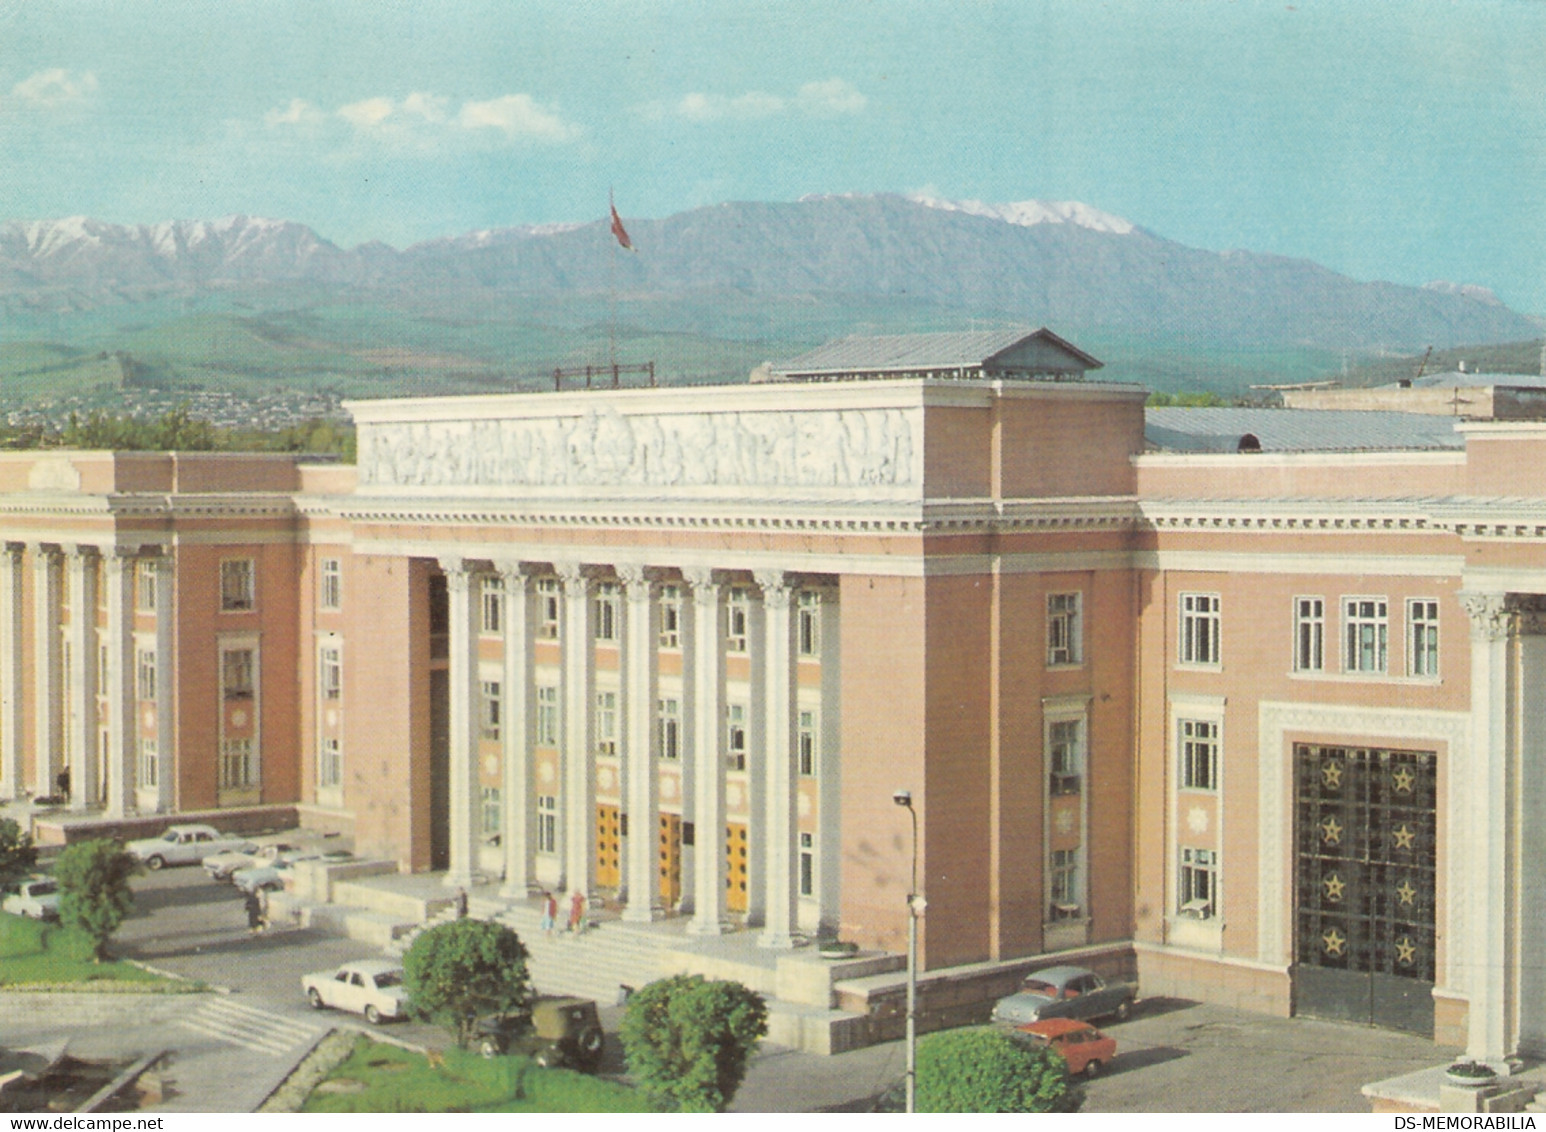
(1081, 1045)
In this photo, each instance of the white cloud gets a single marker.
(517, 116)
(55, 87)
(367, 113)
(426, 121)
(297, 112)
(831, 96)
(822, 98)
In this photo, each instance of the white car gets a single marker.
(372, 987)
(221, 866)
(37, 897)
(185, 845)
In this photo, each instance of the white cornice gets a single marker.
(1420, 457)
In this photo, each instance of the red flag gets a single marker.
(619, 231)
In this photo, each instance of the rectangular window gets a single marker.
(1065, 643)
(806, 740)
(492, 709)
(1199, 754)
(330, 673)
(736, 606)
(670, 617)
(547, 608)
(237, 588)
(145, 586)
(1368, 628)
(236, 674)
(735, 736)
(1065, 756)
(1198, 891)
(150, 762)
(669, 722)
(145, 674)
(1309, 634)
(807, 864)
(547, 823)
(236, 769)
(808, 624)
(547, 715)
(605, 723)
(606, 612)
(1063, 885)
(102, 655)
(493, 591)
(1422, 634)
(493, 814)
(330, 593)
(330, 764)
(1200, 629)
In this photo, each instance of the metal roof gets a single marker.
(1297, 430)
(911, 353)
(1457, 380)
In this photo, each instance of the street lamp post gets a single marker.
(915, 908)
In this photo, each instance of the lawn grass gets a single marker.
(33, 953)
(398, 1080)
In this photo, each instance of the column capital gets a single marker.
(701, 578)
(775, 587)
(572, 574)
(513, 574)
(636, 581)
(458, 574)
(1489, 613)
(82, 549)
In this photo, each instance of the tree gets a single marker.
(17, 853)
(688, 1040)
(457, 972)
(990, 1071)
(94, 893)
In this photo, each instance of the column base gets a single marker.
(702, 926)
(776, 940)
(642, 913)
(516, 891)
(459, 880)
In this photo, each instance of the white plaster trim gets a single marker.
(1236, 562)
(1399, 458)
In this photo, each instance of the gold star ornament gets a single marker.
(1331, 775)
(1331, 831)
(1406, 951)
(1333, 941)
(1334, 886)
(1405, 837)
(1403, 779)
(1406, 893)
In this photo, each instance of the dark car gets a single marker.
(560, 1032)
(1065, 992)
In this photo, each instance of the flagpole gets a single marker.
(612, 287)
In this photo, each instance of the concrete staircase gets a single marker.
(597, 963)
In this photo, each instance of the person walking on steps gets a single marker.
(577, 912)
(254, 908)
(549, 911)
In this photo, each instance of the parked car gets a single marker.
(560, 1032)
(1084, 1048)
(271, 875)
(220, 866)
(37, 897)
(372, 987)
(1066, 992)
(185, 845)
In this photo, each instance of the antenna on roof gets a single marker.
(1424, 363)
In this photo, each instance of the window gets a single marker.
(547, 715)
(1064, 756)
(1199, 754)
(808, 624)
(493, 814)
(492, 707)
(1064, 632)
(669, 723)
(102, 664)
(736, 604)
(237, 591)
(606, 612)
(1367, 629)
(1200, 629)
(330, 764)
(150, 762)
(735, 736)
(1309, 634)
(330, 673)
(807, 864)
(145, 586)
(670, 617)
(1422, 634)
(1063, 885)
(806, 740)
(1198, 893)
(145, 674)
(236, 673)
(330, 592)
(493, 591)
(236, 764)
(606, 723)
(547, 823)
(547, 608)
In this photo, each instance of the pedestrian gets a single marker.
(549, 911)
(461, 903)
(263, 909)
(576, 912)
(254, 908)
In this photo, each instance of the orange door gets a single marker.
(670, 859)
(736, 870)
(609, 847)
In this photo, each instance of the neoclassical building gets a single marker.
(1245, 697)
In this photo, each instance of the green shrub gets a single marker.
(457, 972)
(94, 892)
(988, 1071)
(688, 1040)
(17, 853)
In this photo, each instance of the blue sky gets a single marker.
(1389, 140)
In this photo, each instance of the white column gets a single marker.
(579, 770)
(515, 790)
(166, 693)
(1529, 820)
(46, 735)
(464, 687)
(121, 729)
(12, 733)
(643, 781)
(778, 765)
(81, 564)
(1485, 839)
(708, 760)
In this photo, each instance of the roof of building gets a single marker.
(959, 353)
(1458, 379)
(1296, 430)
